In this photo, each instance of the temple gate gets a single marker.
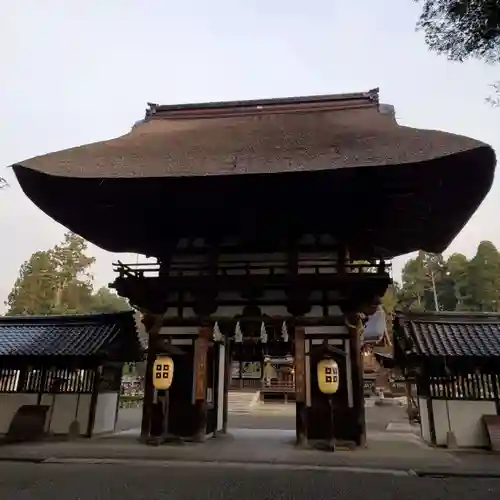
(256, 213)
(316, 296)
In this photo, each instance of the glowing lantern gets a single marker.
(163, 373)
(328, 376)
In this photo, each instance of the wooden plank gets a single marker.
(300, 365)
(337, 320)
(200, 363)
(492, 423)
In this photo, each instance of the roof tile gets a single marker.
(82, 335)
(450, 335)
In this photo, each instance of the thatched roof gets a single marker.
(384, 188)
(273, 136)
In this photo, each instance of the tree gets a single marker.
(411, 295)
(483, 278)
(462, 29)
(435, 273)
(74, 281)
(34, 289)
(424, 280)
(3, 183)
(457, 284)
(389, 303)
(458, 268)
(58, 281)
(104, 300)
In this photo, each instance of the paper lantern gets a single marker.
(328, 376)
(163, 373)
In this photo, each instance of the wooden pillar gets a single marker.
(93, 402)
(241, 367)
(342, 260)
(200, 381)
(227, 383)
(153, 326)
(494, 379)
(425, 384)
(409, 400)
(354, 326)
(23, 377)
(43, 382)
(300, 387)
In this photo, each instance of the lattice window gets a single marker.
(36, 380)
(473, 386)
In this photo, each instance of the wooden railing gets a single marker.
(258, 384)
(279, 386)
(196, 267)
(131, 401)
(246, 383)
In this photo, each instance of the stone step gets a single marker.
(274, 409)
(241, 401)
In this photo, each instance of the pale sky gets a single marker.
(82, 71)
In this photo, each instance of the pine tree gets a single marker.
(34, 289)
(58, 281)
(483, 278)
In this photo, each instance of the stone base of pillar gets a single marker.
(301, 424)
(200, 434)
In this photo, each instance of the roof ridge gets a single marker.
(297, 103)
(449, 317)
(72, 339)
(63, 318)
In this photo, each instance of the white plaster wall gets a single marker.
(465, 419)
(65, 411)
(105, 415)
(9, 404)
(220, 387)
(424, 420)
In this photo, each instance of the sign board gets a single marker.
(235, 370)
(398, 386)
(369, 385)
(200, 368)
(252, 369)
(163, 373)
(300, 365)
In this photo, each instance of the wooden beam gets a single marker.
(200, 380)
(297, 321)
(147, 408)
(300, 387)
(357, 376)
(227, 383)
(269, 280)
(190, 318)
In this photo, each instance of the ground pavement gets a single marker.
(270, 416)
(388, 451)
(187, 482)
(266, 440)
